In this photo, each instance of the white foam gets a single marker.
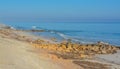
(34, 27)
(62, 35)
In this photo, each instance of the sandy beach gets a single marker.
(15, 54)
(17, 51)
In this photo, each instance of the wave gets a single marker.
(76, 40)
(34, 27)
(62, 35)
(70, 30)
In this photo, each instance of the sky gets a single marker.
(60, 10)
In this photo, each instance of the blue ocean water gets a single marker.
(79, 32)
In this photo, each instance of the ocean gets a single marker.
(86, 32)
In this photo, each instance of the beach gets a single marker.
(16, 54)
(21, 50)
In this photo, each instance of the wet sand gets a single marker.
(112, 58)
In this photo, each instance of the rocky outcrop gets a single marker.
(3, 26)
(79, 50)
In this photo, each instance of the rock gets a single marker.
(3, 26)
(53, 47)
(83, 56)
(81, 50)
(68, 50)
(104, 52)
(60, 49)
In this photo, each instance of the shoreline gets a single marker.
(58, 51)
(60, 36)
(16, 52)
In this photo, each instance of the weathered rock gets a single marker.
(83, 56)
(84, 50)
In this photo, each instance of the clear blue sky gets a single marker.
(59, 10)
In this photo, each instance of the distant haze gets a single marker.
(60, 10)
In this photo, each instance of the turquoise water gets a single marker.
(78, 32)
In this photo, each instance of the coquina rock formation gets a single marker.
(79, 50)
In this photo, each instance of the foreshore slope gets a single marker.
(21, 50)
(17, 53)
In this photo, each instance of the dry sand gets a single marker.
(19, 55)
